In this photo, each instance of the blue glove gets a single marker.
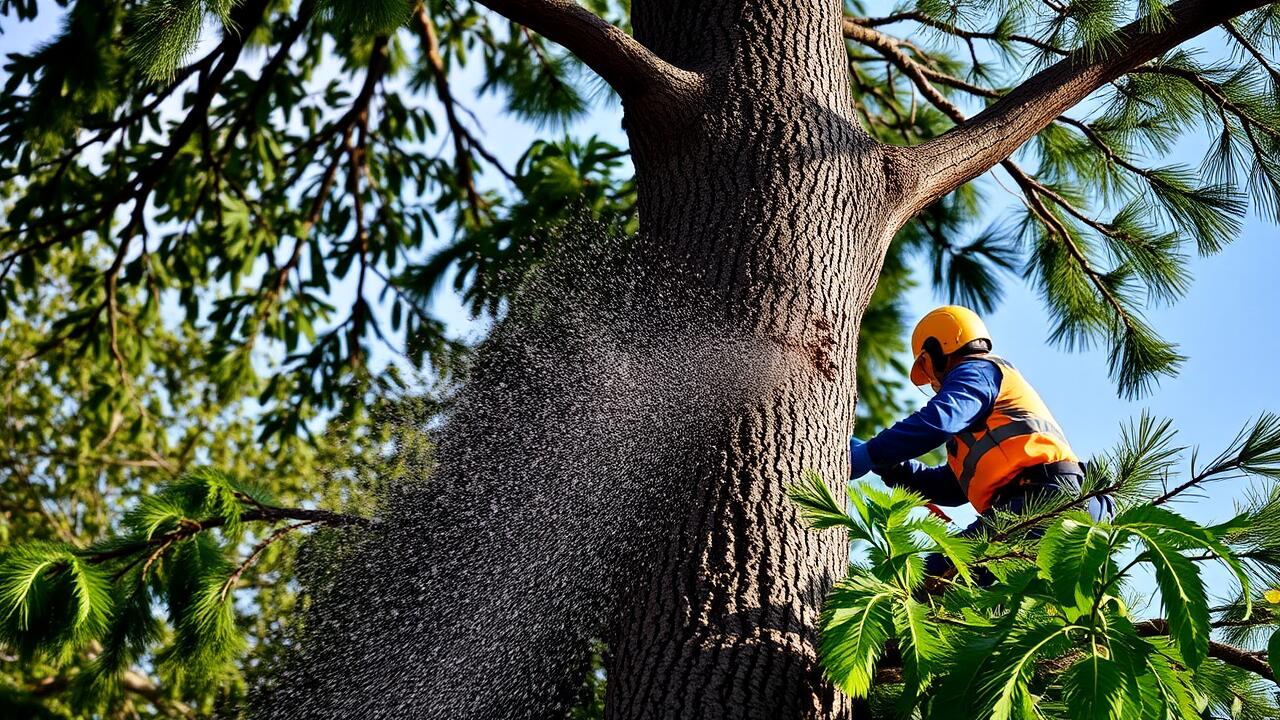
(859, 459)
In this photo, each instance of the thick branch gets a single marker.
(975, 146)
(628, 66)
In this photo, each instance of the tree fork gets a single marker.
(973, 147)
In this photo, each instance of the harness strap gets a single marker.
(1023, 424)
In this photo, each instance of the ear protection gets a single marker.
(936, 357)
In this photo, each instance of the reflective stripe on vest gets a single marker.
(1019, 430)
(1023, 424)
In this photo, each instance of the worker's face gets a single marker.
(925, 365)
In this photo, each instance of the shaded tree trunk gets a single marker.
(772, 193)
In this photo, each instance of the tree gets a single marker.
(752, 167)
(1061, 633)
(753, 170)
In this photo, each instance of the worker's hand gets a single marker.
(859, 459)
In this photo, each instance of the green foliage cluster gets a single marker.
(191, 590)
(1060, 633)
(1106, 226)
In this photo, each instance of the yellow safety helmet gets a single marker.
(951, 327)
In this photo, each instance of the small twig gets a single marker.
(257, 551)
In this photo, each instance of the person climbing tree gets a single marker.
(1004, 448)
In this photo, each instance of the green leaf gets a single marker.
(51, 599)
(1096, 688)
(856, 621)
(959, 550)
(1187, 535)
(1007, 686)
(166, 31)
(201, 610)
(919, 641)
(1182, 595)
(1072, 556)
(818, 505)
(1167, 691)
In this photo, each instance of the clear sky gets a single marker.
(1226, 325)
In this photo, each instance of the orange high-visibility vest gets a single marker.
(1019, 433)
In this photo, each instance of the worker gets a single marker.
(1003, 445)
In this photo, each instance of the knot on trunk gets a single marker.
(817, 343)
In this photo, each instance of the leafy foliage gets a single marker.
(1055, 636)
(175, 550)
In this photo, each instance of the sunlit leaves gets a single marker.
(1053, 638)
(51, 599)
(162, 591)
(1096, 688)
(1183, 595)
(539, 80)
(818, 505)
(164, 32)
(920, 641)
(1006, 693)
(1072, 557)
(857, 620)
(369, 17)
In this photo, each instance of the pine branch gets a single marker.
(633, 70)
(1253, 50)
(257, 551)
(956, 31)
(975, 146)
(890, 48)
(1253, 662)
(265, 513)
(1033, 190)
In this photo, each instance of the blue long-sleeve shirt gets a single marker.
(967, 395)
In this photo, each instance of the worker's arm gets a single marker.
(937, 484)
(967, 395)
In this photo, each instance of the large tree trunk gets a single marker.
(608, 471)
(778, 199)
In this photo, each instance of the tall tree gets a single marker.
(752, 166)
(778, 147)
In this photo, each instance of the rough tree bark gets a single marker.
(767, 185)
